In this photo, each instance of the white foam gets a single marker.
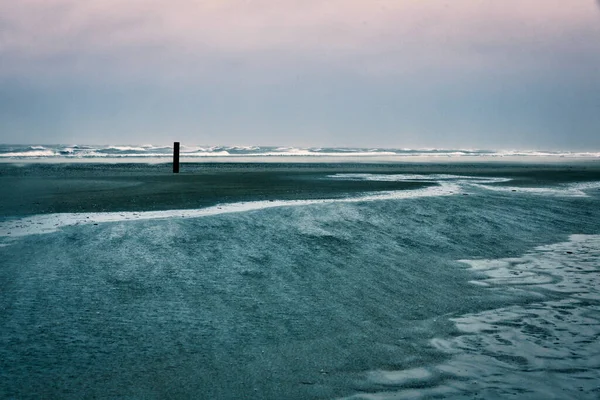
(29, 154)
(47, 223)
(583, 186)
(556, 267)
(560, 154)
(399, 377)
(419, 177)
(565, 190)
(195, 152)
(540, 343)
(126, 148)
(547, 348)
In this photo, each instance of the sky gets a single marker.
(512, 74)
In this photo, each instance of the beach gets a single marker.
(296, 280)
(50, 187)
(299, 200)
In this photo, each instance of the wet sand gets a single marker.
(28, 189)
(363, 296)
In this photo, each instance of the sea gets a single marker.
(298, 273)
(96, 153)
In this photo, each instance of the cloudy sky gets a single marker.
(512, 74)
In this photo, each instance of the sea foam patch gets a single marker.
(547, 348)
(487, 183)
(419, 178)
(571, 267)
(566, 190)
(48, 223)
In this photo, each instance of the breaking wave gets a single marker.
(38, 152)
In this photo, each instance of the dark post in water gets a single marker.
(176, 157)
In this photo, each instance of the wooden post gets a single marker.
(176, 157)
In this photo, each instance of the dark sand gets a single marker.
(53, 188)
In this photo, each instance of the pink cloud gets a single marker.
(380, 36)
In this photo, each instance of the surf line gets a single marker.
(48, 223)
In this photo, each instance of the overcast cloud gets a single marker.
(462, 73)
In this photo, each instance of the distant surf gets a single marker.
(148, 151)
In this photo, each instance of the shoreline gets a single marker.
(48, 223)
(50, 188)
(232, 288)
(90, 189)
(316, 159)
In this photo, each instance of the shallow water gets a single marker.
(472, 285)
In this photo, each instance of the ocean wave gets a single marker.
(192, 152)
(126, 148)
(30, 154)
